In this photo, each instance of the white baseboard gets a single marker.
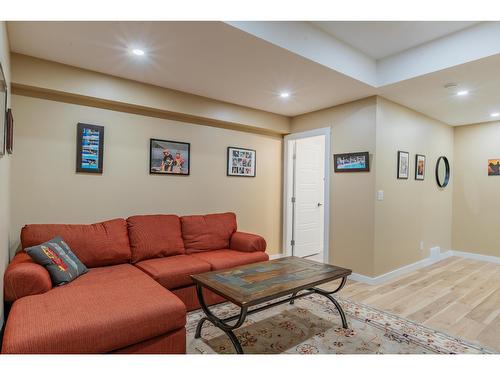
(276, 256)
(481, 257)
(435, 256)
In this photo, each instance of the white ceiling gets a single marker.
(379, 39)
(251, 63)
(427, 94)
(211, 59)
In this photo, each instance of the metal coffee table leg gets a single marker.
(219, 323)
(334, 301)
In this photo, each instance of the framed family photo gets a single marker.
(352, 162)
(241, 162)
(403, 165)
(89, 148)
(419, 167)
(169, 157)
(494, 167)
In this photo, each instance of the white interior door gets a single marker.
(309, 183)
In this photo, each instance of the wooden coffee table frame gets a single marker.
(296, 293)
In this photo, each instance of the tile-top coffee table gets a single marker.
(260, 283)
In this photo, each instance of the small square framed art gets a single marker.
(241, 162)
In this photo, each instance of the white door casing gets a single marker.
(308, 222)
(288, 190)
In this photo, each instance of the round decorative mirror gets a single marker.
(443, 171)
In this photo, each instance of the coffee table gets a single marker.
(260, 283)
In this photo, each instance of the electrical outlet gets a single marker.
(421, 245)
(435, 252)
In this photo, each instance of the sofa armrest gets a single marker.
(247, 242)
(23, 277)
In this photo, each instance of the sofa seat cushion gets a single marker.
(96, 245)
(103, 310)
(174, 272)
(225, 258)
(207, 232)
(154, 236)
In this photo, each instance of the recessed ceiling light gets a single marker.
(138, 52)
(495, 114)
(462, 92)
(284, 94)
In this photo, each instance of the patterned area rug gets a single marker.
(313, 325)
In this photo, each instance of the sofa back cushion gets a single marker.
(96, 245)
(208, 232)
(154, 236)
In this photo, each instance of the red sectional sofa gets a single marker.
(137, 291)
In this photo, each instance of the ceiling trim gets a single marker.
(112, 105)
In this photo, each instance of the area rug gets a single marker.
(312, 325)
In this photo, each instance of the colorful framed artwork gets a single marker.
(403, 165)
(352, 162)
(169, 157)
(419, 167)
(494, 167)
(89, 148)
(241, 162)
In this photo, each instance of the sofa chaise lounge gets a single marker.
(137, 291)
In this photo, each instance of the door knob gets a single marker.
(320, 204)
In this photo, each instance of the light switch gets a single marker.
(380, 195)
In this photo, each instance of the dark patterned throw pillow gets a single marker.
(56, 256)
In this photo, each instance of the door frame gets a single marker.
(287, 212)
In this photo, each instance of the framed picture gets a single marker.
(352, 162)
(169, 157)
(419, 167)
(3, 110)
(403, 165)
(10, 131)
(89, 148)
(241, 162)
(494, 167)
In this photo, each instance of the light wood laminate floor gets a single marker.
(457, 296)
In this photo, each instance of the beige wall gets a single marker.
(46, 188)
(476, 206)
(351, 194)
(104, 90)
(4, 174)
(412, 211)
